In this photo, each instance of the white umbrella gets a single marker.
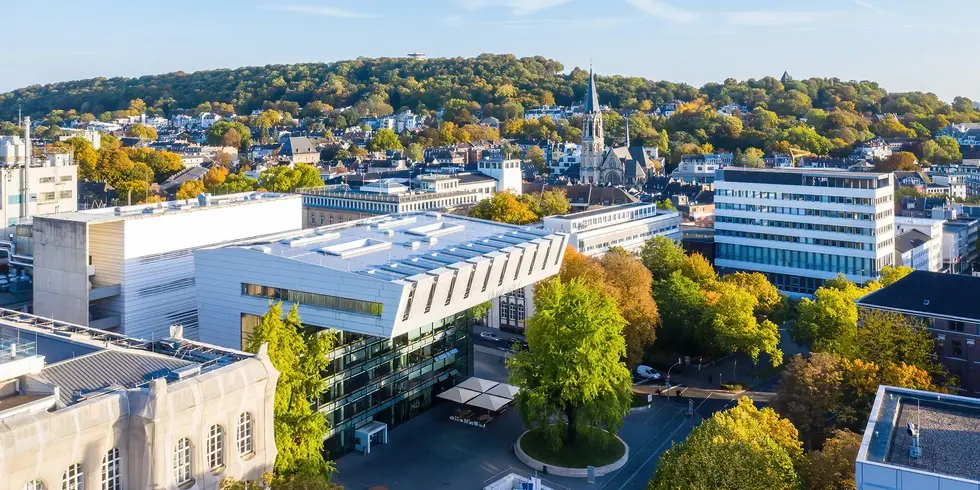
(478, 384)
(504, 390)
(489, 402)
(458, 395)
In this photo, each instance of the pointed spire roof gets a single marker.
(592, 97)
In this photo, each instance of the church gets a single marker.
(626, 165)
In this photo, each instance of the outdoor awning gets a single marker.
(489, 402)
(504, 390)
(458, 395)
(478, 385)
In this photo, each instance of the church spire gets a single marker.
(592, 97)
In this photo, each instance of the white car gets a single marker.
(647, 372)
(489, 336)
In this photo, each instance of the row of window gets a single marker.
(823, 213)
(789, 196)
(314, 299)
(633, 214)
(823, 242)
(796, 225)
(74, 476)
(846, 182)
(619, 241)
(802, 260)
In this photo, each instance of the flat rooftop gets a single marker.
(85, 362)
(602, 211)
(930, 294)
(395, 246)
(949, 432)
(139, 211)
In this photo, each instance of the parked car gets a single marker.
(492, 337)
(514, 340)
(647, 372)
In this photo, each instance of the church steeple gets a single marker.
(591, 97)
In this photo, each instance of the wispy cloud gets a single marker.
(320, 10)
(766, 18)
(757, 18)
(665, 11)
(567, 24)
(870, 6)
(516, 7)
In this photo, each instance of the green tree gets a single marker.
(768, 298)
(809, 395)
(301, 359)
(742, 448)
(415, 152)
(666, 204)
(285, 179)
(683, 311)
(941, 151)
(385, 139)
(662, 256)
(736, 329)
(535, 156)
(573, 373)
(889, 275)
(504, 207)
(554, 203)
(828, 323)
(163, 163)
(831, 468)
(229, 133)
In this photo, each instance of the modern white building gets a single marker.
(131, 270)
(507, 173)
(84, 408)
(701, 169)
(330, 204)
(629, 226)
(93, 137)
(801, 227)
(931, 228)
(40, 187)
(919, 440)
(396, 290)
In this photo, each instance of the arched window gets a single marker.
(74, 478)
(244, 433)
(216, 447)
(182, 461)
(34, 485)
(111, 474)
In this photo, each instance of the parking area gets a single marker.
(431, 451)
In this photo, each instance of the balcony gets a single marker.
(104, 292)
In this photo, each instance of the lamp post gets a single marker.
(668, 371)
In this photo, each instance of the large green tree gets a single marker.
(573, 375)
(742, 448)
(285, 179)
(385, 139)
(662, 256)
(301, 359)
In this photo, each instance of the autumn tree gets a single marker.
(385, 139)
(831, 468)
(809, 394)
(901, 160)
(190, 189)
(554, 203)
(535, 156)
(742, 448)
(85, 157)
(415, 152)
(285, 179)
(573, 375)
(163, 163)
(142, 131)
(229, 133)
(735, 327)
(504, 207)
(301, 358)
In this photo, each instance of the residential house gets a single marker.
(966, 134)
(931, 229)
(912, 249)
(871, 150)
(298, 149)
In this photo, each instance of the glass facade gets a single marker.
(313, 299)
(802, 260)
(388, 380)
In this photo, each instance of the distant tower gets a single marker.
(592, 135)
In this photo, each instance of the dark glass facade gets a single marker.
(390, 380)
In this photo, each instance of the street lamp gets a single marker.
(668, 371)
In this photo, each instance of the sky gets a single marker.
(902, 44)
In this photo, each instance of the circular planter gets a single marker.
(570, 472)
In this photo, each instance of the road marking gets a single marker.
(654, 453)
(613, 475)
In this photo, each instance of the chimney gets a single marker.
(24, 182)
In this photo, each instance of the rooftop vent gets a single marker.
(204, 199)
(185, 372)
(435, 229)
(414, 245)
(262, 248)
(309, 239)
(395, 223)
(356, 247)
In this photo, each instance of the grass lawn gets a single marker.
(594, 447)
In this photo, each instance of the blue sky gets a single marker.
(903, 44)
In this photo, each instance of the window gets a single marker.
(245, 433)
(111, 476)
(956, 326)
(34, 485)
(314, 299)
(956, 348)
(64, 194)
(46, 180)
(74, 478)
(182, 461)
(65, 178)
(47, 196)
(216, 447)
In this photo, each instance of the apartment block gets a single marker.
(801, 227)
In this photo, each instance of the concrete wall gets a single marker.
(145, 425)
(61, 270)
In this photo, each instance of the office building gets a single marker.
(396, 289)
(330, 204)
(34, 187)
(130, 269)
(84, 408)
(947, 305)
(932, 231)
(960, 238)
(628, 226)
(914, 249)
(801, 227)
(918, 440)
